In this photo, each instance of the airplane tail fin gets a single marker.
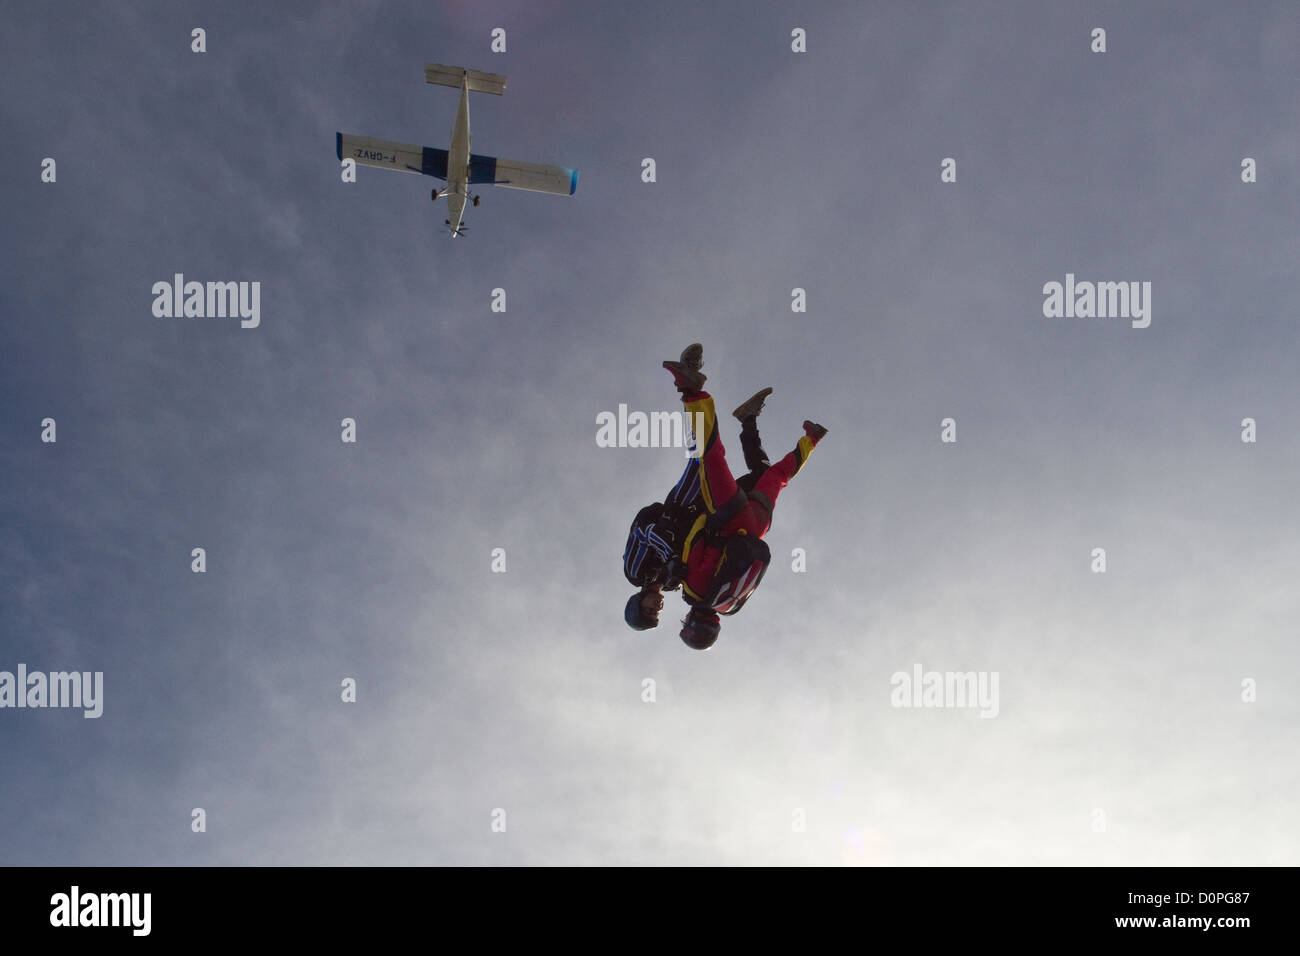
(479, 82)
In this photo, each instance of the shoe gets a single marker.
(814, 431)
(686, 379)
(752, 405)
(693, 356)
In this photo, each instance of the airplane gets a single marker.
(458, 166)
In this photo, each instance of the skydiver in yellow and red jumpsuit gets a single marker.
(718, 571)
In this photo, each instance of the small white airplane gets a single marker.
(458, 166)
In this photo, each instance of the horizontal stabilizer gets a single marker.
(516, 175)
(479, 82)
(404, 157)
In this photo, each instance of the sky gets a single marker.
(1146, 714)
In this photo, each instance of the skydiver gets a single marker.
(652, 555)
(707, 536)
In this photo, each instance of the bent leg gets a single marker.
(778, 475)
(756, 459)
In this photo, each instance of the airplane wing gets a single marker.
(404, 157)
(383, 154)
(516, 175)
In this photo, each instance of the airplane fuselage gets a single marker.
(458, 162)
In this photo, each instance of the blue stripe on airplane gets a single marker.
(482, 169)
(434, 162)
